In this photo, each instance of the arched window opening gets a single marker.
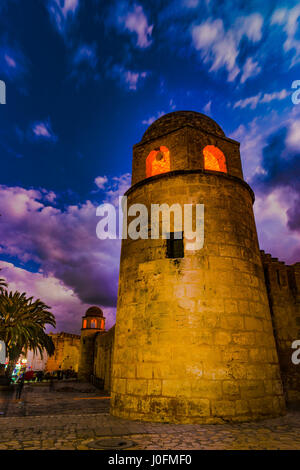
(214, 159)
(84, 323)
(93, 323)
(158, 161)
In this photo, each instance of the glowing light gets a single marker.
(158, 161)
(214, 159)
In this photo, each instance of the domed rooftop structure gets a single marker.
(172, 121)
(94, 312)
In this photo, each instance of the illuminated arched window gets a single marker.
(84, 323)
(93, 323)
(158, 161)
(214, 159)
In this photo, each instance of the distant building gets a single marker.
(66, 355)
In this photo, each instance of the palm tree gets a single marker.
(22, 326)
(3, 285)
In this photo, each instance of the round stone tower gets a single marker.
(93, 323)
(194, 340)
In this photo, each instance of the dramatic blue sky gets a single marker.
(84, 79)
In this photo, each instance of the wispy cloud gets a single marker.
(260, 98)
(42, 131)
(86, 54)
(128, 79)
(62, 13)
(220, 47)
(134, 20)
(84, 62)
(293, 136)
(101, 181)
(13, 64)
(289, 20)
(250, 69)
(191, 3)
(207, 107)
(151, 119)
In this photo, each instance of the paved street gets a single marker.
(67, 398)
(74, 415)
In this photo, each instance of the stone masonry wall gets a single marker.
(283, 284)
(66, 354)
(104, 345)
(194, 339)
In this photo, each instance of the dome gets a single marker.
(94, 312)
(172, 121)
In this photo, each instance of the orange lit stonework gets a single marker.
(214, 159)
(158, 161)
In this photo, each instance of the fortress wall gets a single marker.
(103, 357)
(66, 353)
(283, 285)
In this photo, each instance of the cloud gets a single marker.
(249, 26)
(128, 79)
(101, 181)
(277, 95)
(151, 119)
(252, 138)
(190, 3)
(281, 167)
(172, 104)
(62, 13)
(260, 98)
(272, 168)
(275, 232)
(250, 69)
(221, 48)
(42, 131)
(132, 78)
(293, 136)
(13, 64)
(85, 54)
(133, 19)
(207, 108)
(289, 20)
(118, 186)
(82, 56)
(148, 121)
(62, 242)
(84, 62)
(65, 304)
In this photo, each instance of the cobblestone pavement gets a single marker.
(86, 418)
(66, 398)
